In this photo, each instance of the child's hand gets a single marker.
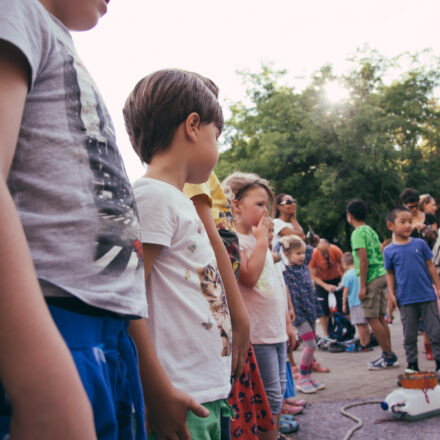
(290, 338)
(167, 417)
(240, 347)
(261, 231)
(362, 293)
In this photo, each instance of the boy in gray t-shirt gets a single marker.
(69, 230)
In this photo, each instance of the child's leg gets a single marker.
(409, 314)
(307, 334)
(430, 315)
(364, 334)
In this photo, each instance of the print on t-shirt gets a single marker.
(115, 249)
(213, 291)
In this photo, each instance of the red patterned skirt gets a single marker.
(249, 401)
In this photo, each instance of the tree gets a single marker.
(370, 146)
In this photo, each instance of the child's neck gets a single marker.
(356, 223)
(242, 228)
(166, 168)
(398, 239)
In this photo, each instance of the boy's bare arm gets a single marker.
(391, 281)
(363, 272)
(36, 368)
(159, 393)
(344, 299)
(434, 275)
(237, 309)
(167, 407)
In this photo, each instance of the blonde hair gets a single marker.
(424, 199)
(237, 184)
(291, 243)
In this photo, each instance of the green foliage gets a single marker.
(381, 139)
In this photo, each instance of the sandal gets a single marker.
(288, 426)
(317, 368)
(292, 401)
(291, 409)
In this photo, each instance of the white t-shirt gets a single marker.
(188, 313)
(266, 301)
(278, 226)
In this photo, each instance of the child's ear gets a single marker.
(192, 126)
(390, 225)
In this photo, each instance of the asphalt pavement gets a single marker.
(350, 381)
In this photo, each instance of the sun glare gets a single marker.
(335, 92)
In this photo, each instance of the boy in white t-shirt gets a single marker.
(174, 120)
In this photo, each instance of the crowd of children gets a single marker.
(160, 309)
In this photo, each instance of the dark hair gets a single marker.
(391, 216)
(277, 201)
(358, 209)
(409, 195)
(160, 102)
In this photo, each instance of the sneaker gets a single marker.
(291, 409)
(382, 363)
(318, 385)
(306, 387)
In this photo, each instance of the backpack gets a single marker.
(340, 328)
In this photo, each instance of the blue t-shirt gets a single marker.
(413, 281)
(351, 280)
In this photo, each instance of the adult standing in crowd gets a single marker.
(427, 204)
(326, 271)
(285, 222)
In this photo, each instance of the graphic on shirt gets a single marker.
(266, 283)
(116, 249)
(214, 293)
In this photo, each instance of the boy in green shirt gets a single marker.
(369, 265)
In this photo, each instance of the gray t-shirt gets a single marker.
(67, 178)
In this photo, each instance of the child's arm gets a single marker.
(392, 302)
(237, 309)
(36, 367)
(159, 393)
(434, 275)
(363, 272)
(290, 308)
(250, 269)
(344, 299)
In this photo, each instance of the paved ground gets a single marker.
(350, 381)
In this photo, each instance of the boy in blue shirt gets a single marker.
(350, 283)
(411, 274)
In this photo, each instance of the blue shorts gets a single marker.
(106, 359)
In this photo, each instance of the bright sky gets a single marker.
(217, 38)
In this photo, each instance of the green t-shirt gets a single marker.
(366, 237)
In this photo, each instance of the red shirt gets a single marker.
(327, 270)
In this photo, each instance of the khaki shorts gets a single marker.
(375, 303)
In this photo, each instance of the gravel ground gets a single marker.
(323, 420)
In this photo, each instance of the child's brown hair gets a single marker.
(161, 101)
(347, 259)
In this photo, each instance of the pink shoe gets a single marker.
(293, 401)
(291, 409)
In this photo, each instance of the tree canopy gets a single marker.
(382, 138)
